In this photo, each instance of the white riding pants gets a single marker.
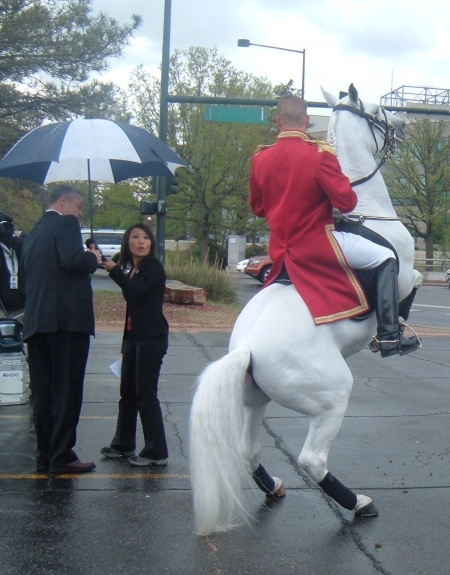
(361, 253)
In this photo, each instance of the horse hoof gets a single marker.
(279, 490)
(368, 510)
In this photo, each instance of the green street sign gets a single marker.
(237, 114)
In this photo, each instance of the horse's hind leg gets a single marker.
(256, 402)
(404, 307)
(323, 428)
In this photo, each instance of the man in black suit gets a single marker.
(59, 320)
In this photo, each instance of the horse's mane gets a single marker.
(331, 131)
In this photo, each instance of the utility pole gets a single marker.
(161, 181)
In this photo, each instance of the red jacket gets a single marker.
(295, 184)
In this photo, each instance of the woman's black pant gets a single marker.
(141, 366)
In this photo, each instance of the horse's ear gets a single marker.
(329, 98)
(353, 93)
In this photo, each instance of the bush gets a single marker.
(256, 250)
(216, 282)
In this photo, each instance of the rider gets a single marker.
(295, 184)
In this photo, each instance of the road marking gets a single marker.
(96, 476)
(30, 416)
(429, 305)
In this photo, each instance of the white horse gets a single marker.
(276, 353)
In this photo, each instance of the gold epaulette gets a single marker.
(321, 145)
(262, 147)
(324, 146)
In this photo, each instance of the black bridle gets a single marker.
(381, 125)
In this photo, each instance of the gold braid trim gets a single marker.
(325, 147)
(262, 147)
(351, 276)
(295, 134)
(321, 145)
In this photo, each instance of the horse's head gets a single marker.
(387, 129)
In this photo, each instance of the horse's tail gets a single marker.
(218, 456)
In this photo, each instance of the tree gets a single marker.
(117, 206)
(47, 51)
(22, 202)
(213, 192)
(418, 178)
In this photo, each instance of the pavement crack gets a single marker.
(281, 445)
(170, 420)
(197, 344)
(432, 361)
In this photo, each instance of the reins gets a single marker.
(384, 127)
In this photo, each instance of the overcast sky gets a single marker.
(377, 45)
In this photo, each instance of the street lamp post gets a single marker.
(244, 43)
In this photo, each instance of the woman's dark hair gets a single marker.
(126, 259)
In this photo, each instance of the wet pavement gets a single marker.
(122, 519)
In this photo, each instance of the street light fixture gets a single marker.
(244, 43)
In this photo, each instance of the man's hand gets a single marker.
(98, 255)
(109, 265)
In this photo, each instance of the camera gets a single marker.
(6, 228)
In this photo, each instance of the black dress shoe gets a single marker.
(42, 463)
(76, 466)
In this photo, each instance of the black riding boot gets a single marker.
(391, 341)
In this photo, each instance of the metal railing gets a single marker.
(433, 265)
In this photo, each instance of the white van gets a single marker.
(109, 241)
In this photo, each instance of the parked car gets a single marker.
(258, 267)
(109, 241)
(240, 266)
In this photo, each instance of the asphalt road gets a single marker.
(431, 306)
(121, 520)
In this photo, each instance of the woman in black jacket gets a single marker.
(145, 343)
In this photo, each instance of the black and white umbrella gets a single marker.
(88, 150)
(97, 150)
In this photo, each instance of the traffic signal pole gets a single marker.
(161, 182)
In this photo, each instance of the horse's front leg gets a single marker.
(323, 428)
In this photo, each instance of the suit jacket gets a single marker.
(144, 294)
(56, 272)
(295, 184)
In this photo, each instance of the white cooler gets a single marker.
(13, 378)
(13, 364)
